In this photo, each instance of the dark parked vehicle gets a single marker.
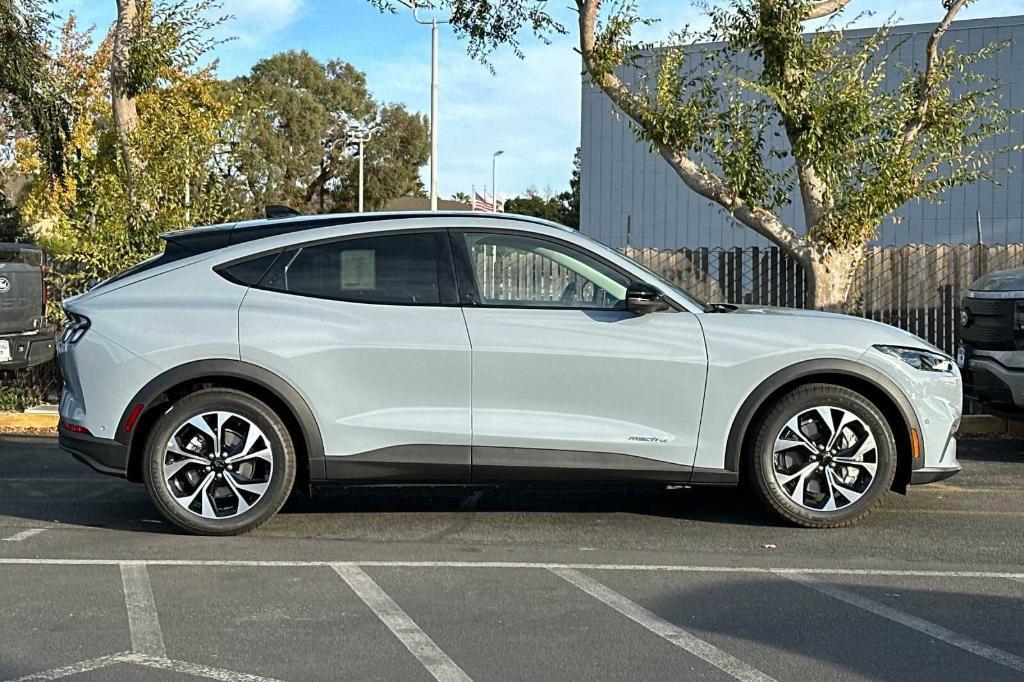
(991, 351)
(24, 339)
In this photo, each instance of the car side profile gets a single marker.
(455, 348)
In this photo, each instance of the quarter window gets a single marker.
(517, 270)
(397, 268)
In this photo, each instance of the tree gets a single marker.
(287, 139)
(26, 87)
(89, 221)
(561, 208)
(857, 139)
(462, 198)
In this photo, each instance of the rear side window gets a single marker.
(397, 268)
(250, 272)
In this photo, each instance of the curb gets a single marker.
(27, 420)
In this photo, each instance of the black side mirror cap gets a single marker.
(642, 298)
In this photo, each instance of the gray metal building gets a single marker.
(624, 184)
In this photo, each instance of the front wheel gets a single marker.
(824, 456)
(219, 462)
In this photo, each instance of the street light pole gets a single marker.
(434, 125)
(360, 136)
(434, 41)
(494, 180)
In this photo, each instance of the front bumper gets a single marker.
(947, 466)
(102, 454)
(993, 383)
(29, 350)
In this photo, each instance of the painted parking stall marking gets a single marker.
(142, 619)
(1004, 658)
(24, 535)
(148, 648)
(661, 627)
(401, 625)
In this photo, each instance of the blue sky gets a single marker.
(529, 108)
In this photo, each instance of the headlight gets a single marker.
(924, 360)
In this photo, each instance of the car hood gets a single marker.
(1003, 280)
(840, 328)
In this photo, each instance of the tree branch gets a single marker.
(700, 180)
(824, 8)
(916, 122)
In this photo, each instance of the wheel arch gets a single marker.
(257, 381)
(868, 381)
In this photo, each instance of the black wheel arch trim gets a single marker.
(281, 389)
(803, 370)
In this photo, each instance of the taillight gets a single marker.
(74, 328)
(75, 428)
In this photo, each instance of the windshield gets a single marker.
(601, 246)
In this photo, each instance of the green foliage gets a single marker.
(288, 137)
(87, 221)
(11, 227)
(561, 208)
(26, 82)
(489, 25)
(761, 90)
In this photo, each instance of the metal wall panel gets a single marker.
(623, 182)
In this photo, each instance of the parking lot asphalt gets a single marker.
(522, 583)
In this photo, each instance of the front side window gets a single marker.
(518, 270)
(396, 269)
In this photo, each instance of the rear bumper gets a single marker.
(29, 350)
(102, 454)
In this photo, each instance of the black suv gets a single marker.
(24, 339)
(991, 351)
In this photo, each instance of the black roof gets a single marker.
(203, 239)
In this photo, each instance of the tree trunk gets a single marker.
(126, 116)
(830, 273)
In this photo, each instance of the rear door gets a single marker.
(368, 329)
(566, 382)
(21, 289)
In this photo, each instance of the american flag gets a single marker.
(484, 205)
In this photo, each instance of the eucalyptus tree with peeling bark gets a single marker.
(859, 135)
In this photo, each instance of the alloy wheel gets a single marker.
(218, 465)
(825, 458)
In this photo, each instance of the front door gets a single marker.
(566, 382)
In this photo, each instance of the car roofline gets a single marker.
(208, 238)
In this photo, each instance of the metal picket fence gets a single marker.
(916, 287)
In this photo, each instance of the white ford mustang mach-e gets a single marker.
(477, 349)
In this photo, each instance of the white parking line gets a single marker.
(927, 627)
(23, 535)
(398, 621)
(661, 627)
(146, 661)
(519, 564)
(147, 639)
(193, 669)
(73, 669)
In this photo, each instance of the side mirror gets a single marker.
(642, 298)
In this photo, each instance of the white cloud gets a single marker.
(254, 20)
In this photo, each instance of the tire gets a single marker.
(244, 483)
(821, 487)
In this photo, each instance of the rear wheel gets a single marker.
(824, 456)
(219, 462)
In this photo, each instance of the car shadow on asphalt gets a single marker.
(787, 629)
